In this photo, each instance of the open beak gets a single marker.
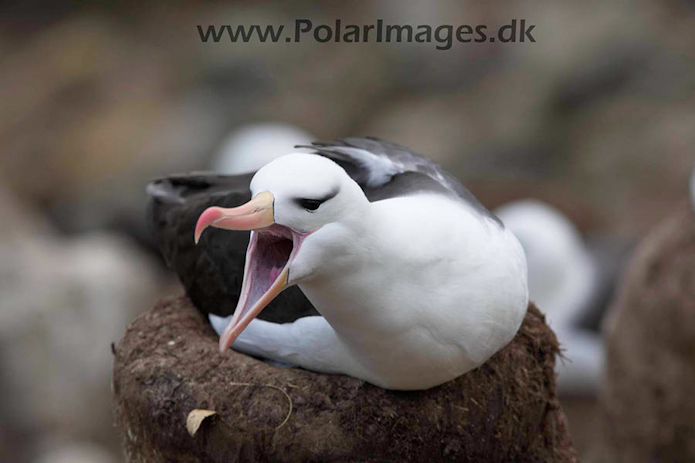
(271, 250)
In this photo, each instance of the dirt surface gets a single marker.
(648, 400)
(168, 364)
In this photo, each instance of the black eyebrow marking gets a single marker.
(314, 203)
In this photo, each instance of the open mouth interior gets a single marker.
(269, 253)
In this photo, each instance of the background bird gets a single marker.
(567, 284)
(210, 273)
(251, 146)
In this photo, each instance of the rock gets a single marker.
(168, 365)
(73, 452)
(650, 335)
(64, 300)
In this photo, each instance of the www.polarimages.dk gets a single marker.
(304, 30)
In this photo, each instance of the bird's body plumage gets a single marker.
(412, 304)
(416, 285)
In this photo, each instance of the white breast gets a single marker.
(427, 291)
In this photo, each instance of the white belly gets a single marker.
(422, 306)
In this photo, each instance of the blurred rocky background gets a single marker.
(597, 118)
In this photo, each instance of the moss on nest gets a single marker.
(168, 364)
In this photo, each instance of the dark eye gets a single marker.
(309, 204)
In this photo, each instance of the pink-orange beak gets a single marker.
(256, 214)
(267, 264)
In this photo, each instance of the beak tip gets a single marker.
(223, 346)
(206, 219)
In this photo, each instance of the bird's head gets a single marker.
(293, 197)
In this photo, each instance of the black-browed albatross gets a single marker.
(415, 281)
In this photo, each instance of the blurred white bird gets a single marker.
(563, 282)
(250, 147)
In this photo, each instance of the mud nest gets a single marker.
(168, 365)
(648, 399)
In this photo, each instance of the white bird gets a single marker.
(251, 146)
(415, 287)
(563, 282)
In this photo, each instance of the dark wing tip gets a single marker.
(347, 142)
